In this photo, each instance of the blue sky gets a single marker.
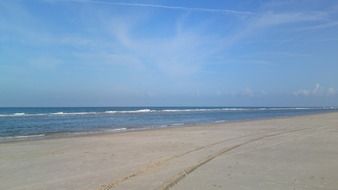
(166, 53)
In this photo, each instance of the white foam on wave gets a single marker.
(21, 114)
(203, 109)
(116, 130)
(72, 113)
(277, 109)
(177, 110)
(185, 110)
(29, 136)
(12, 115)
(84, 113)
(96, 132)
(21, 137)
(131, 111)
(110, 112)
(220, 121)
(139, 111)
(234, 109)
(18, 114)
(177, 124)
(79, 113)
(58, 113)
(37, 114)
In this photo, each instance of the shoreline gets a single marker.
(62, 135)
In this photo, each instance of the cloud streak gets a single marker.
(159, 6)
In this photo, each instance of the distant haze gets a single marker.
(168, 53)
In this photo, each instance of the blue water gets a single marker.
(19, 122)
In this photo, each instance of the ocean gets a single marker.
(38, 122)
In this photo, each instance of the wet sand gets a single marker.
(286, 153)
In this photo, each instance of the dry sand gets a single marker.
(287, 153)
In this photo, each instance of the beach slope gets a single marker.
(286, 153)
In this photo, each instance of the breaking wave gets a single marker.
(72, 113)
(131, 111)
(21, 114)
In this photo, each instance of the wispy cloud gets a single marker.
(329, 24)
(163, 48)
(159, 6)
(181, 53)
(318, 90)
(268, 19)
(272, 18)
(45, 62)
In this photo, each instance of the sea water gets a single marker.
(38, 122)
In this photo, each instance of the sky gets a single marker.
(168, 53)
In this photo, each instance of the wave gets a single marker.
(287, 108)
(45, 114)
(131, 111)
(21, 114)
(220, 121)
(73, 113)
(176, 124)
(204, 109)
(116, 130)
(22, 137)
(58, 113)
(110, 111)
(176, 110)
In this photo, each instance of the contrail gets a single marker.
(223, 11)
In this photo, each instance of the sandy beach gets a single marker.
(286, 153)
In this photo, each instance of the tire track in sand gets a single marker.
(159, 163)
(175, 179)
(181, 175)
